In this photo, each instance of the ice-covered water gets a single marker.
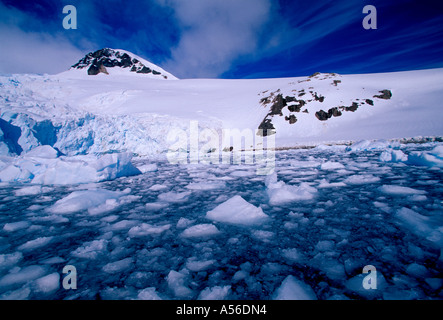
(223, 232)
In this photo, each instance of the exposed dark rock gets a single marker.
(155, 72)
(336, 82)
(305, 111)
(334, 112)
(144, 70)
(385, 94)
(279, 104)
(322, 115)
(369, 101)
(93, 70)
(353, 107)
(297, 107)
(292, 119)
(267, 127)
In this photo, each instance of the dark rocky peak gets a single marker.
(98, 61)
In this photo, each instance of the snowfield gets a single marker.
(304, 232)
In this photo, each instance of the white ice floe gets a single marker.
(399, 190)
(118, 266)
(237, 210)
(35, 244)
(361, 179)
(95, 201)
(430, 159)
(146, 229)
(148, 294)
(200, 231)
(192, 264)
(175, 197)
(280, 193)
(91, 249)
(22, 276)
(293, 289)
(15, 226)
(331, 165)
(177, 284)
(48, 283)
(41, 167)
(204, 186)
(214, 293)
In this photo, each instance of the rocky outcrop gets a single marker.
(99, 60)
(385, 94)
(276, 101)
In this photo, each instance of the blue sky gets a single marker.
(226, 38)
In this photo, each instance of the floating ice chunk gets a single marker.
(146, 229)
(361, 179)
(14, 226)
(148, 294)
(124, 224)
(26, 191)
(237, 211)
(36, 243)
(203, 186)
(155, 206)
(91, 249)
(330, 165)
(262, 235)
(242, 173)
(280, 193)
(355, 285)
(148, 167)
(118, 266)
(293, 289)
(85, 199)
(7, 261)
(176, 283)
(45, 151)
(174, 196)
(433, 158)
(19, 294)
(214, 293)
(200, 231)
(429, 227)
(24, 275)
(325, 245)
(195, 265)
(325, 184)
(365, 145)
(158, 187)
(417, 270)
(184, 222)
(292, 254)
(393, 156)
(83, 169)
(417, 197)
(399, 190)
(48, 284)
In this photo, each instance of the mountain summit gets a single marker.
(106, 59)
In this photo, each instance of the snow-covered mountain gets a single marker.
(116, 61)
